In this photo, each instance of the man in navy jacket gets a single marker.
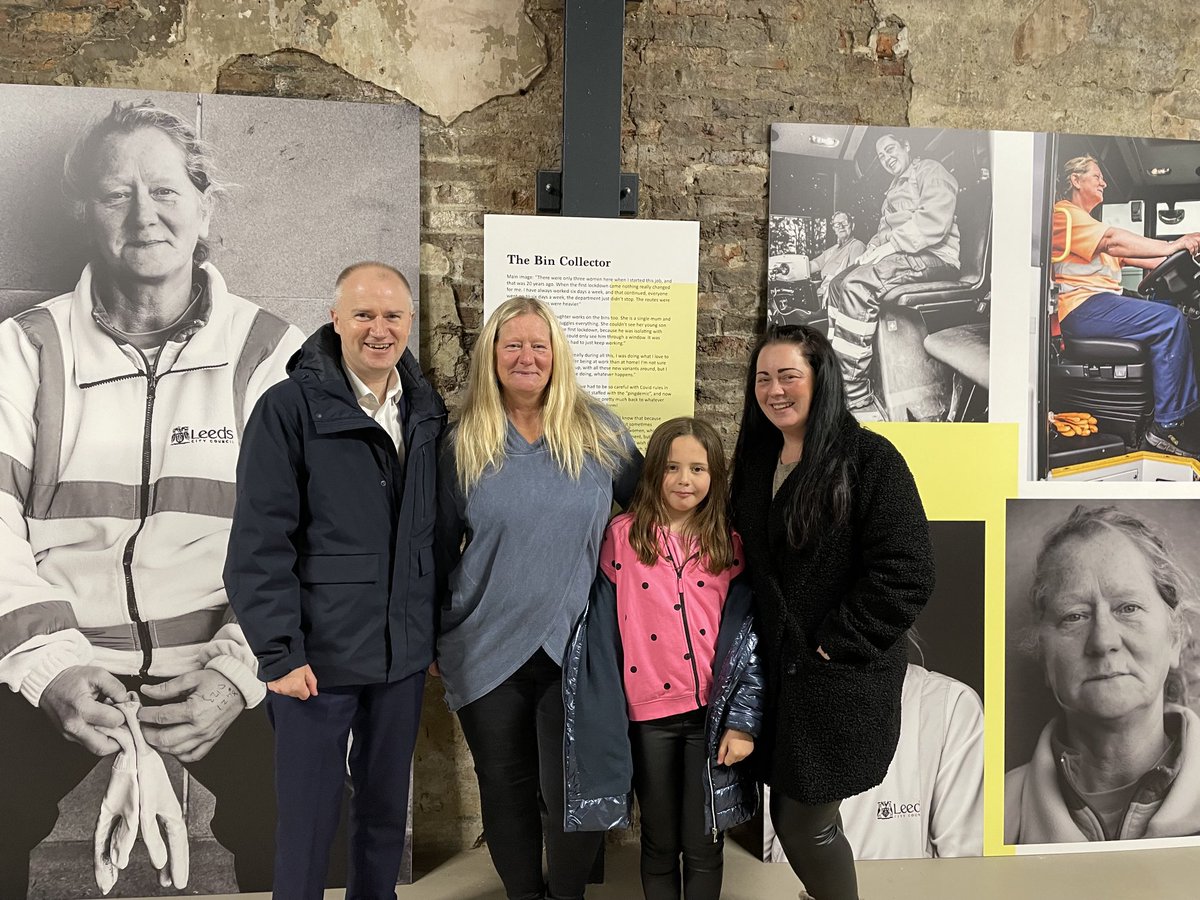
(330, 573)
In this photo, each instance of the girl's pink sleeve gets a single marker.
(739, 555)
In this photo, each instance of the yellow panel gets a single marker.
(652, 375)
(967, 472)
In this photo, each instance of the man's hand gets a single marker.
(207, 703)
(300, 683)
(435, 670)
(735, 746)
(74, 701)
(876, 253)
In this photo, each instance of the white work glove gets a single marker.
(159, 812)
(117, 824)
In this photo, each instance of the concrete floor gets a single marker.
(1122, 875)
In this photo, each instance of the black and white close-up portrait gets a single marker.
(161, 258)
(1102, 740)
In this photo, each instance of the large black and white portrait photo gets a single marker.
(1102, 740)
(161, 258)
(882, 238)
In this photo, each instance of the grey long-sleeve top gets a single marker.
(521, 580)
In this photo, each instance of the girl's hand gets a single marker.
(821, 653)
(735, 746)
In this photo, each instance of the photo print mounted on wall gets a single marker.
(1101, 669)
(881, 237)
(1117, 308)
(152, 286)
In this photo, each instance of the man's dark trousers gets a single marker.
(310, 774)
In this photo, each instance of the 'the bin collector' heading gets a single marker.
(515, 259)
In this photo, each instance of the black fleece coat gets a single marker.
(832, 726)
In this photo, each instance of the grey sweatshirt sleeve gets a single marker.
(628, 472)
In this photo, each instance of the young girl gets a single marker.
(669, 625)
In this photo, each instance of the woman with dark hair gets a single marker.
(838, 549)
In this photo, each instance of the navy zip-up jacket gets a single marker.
(597, 755)
(330, 558)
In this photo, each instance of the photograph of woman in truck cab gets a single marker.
(1087, 257)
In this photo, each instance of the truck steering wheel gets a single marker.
(1178, 278)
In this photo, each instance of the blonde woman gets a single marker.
(1087, 258)
(527, 480)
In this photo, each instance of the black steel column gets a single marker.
(591, 182)
(593, 57)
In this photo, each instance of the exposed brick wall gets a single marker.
(703, 81)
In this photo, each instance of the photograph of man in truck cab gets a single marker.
(917, 240)
(1086, 259)
(881, 238)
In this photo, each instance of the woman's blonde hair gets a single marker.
(708, 524)
(1076, 165)
(573, 423)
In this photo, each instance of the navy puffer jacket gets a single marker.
(597, 753)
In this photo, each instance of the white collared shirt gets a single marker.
(386, 413)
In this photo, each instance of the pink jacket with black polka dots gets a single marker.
(668, 614)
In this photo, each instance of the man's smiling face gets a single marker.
(373, 316)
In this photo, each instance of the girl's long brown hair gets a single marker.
(708, 524)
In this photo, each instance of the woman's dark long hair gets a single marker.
(819, 499)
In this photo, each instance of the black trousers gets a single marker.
(515, 733)
(670, 778)
(816, 847)
(310, 776)
(40, 767)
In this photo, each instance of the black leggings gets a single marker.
(816, 847)
(670, 777)
(515, 733)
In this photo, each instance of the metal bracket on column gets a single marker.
(591, 182)
(550, 198)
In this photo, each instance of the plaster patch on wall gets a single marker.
(1116, 76)
(1176, 113)
(887, 40)
(1052, 28)
(446, 57)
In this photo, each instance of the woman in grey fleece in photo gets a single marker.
(527, 478)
